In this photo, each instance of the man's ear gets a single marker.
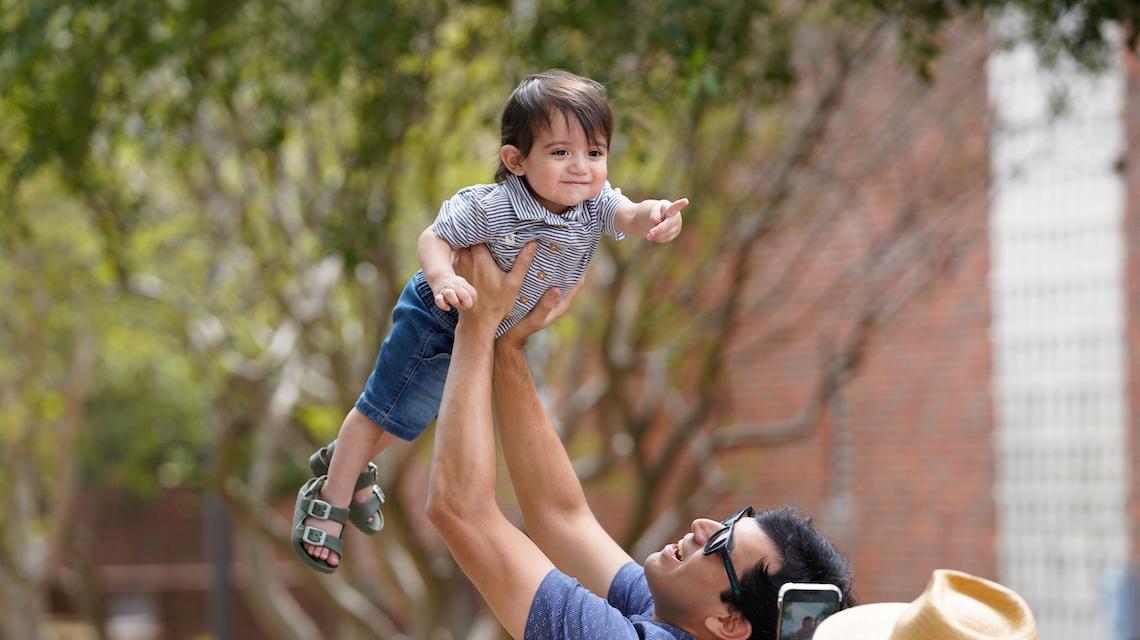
(512, 159)
(730, 625)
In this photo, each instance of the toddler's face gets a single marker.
(563, 168)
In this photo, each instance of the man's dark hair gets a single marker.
(807, 556)
(542, 95)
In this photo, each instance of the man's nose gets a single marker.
(703, 528)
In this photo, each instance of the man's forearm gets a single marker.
(547, 487)
(557, 516)
(463, 459)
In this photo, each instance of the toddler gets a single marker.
(551, 189)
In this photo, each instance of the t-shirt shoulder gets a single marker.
(629, 591)
(462, 219)
(605, 206)
(565, 610)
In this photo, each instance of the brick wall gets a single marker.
(899, 472)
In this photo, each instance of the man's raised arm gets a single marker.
(500, 561)
(557, 516)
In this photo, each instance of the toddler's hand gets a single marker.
(666, 219)
(453, 291)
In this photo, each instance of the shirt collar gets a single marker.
(527, 208)
(677, 632)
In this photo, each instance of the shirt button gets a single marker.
(554, 247)
(524, 299)
(541, 274)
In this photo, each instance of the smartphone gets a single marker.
(803, 606)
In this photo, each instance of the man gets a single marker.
(807, 629)
(718, 582)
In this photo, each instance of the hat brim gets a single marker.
(865, 622)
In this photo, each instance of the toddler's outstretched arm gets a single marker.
(450, 290)
(656, 220)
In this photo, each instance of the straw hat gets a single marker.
(955, 606)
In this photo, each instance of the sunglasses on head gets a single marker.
(721, 542)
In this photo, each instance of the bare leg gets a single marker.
(358, 441)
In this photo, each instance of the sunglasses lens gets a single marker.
(718, 540)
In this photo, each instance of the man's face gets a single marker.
(686, 584)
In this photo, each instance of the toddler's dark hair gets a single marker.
(541, 95)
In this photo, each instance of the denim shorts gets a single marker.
(403, 393)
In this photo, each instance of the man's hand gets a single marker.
(497, 290)
(453, 290)
(551, 307)
(666, 219)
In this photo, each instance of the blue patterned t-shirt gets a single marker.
(565, 610)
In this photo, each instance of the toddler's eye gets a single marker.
(597, 153)
(560, 152)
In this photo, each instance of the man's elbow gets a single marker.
(439, 508)
(438, 515)
(444, 506)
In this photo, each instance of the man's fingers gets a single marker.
(544, 312)
(522, 263)
(549, 301)
(573, 293)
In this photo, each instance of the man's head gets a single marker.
(807, 623)
(692, 589)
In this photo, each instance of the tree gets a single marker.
(210, 207)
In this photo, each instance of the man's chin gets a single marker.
(654, 566)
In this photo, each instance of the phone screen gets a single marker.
(801, 612)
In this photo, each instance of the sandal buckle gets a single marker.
(319, 509)
(315, 536)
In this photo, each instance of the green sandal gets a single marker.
(310, 504)
(321, 458)
(366, 515)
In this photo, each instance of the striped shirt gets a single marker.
(505, 216)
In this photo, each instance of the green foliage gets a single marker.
(198, 158)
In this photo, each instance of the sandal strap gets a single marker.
(360, 512)
(322, 510)
(310, 503)
(366, 477)
(321, 458)
(320, 538)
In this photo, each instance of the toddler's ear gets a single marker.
(512, 159)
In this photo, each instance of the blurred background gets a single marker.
(903, 300)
